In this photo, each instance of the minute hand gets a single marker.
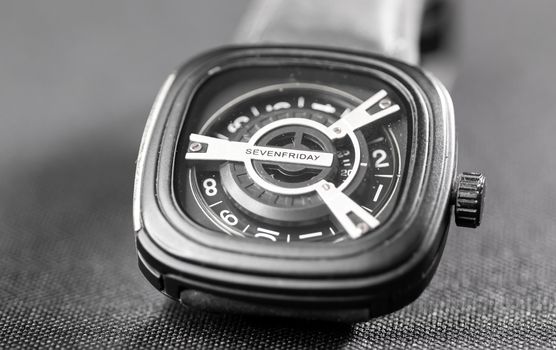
(359, 117)
(208, 148)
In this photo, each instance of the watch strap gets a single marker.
(389, 27)
(418, 32)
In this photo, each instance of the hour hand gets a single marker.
(359, 117)
(208, 148)
(351, 216)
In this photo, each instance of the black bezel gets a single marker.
(398, 259)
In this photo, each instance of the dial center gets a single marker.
(300, 138)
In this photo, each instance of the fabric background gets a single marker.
(76, 83)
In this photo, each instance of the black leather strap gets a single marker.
(418, 32)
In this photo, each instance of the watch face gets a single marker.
(292, 154)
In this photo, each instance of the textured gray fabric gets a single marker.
(76, 83)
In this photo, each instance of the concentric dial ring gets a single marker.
(302, 207)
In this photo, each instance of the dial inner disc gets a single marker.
(295, 138)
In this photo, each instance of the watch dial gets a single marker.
(292, 154)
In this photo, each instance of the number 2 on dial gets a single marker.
(380, 156)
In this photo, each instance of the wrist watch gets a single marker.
(309, 172)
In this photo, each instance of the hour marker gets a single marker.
(222, 137)
(213, 204)
(367, 209)
(275, 233)
(245, 229)
(377, 194)
(327, 108)
(288, 238)
(380, 139)
(387, 176)
(310, 235)
(277, 106)
(343, 238)
(332, 231)
(363, 164)
(268, 234)
(301, 102)
(255, 111)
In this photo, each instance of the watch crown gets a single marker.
(469, 197)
